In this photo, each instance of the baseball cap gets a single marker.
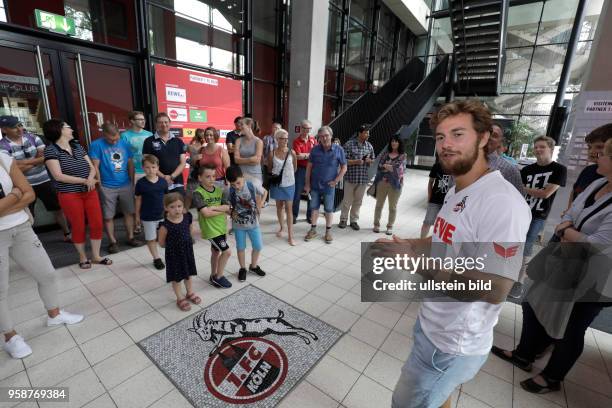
(9, 121)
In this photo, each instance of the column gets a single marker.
(309, 21)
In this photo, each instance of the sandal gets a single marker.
(183, 304)
(85, 265)
(104, 261)
(514, 360)
(530, 385)
(193, 298)
(376, 230)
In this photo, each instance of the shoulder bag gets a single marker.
(276, 179)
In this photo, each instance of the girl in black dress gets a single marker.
(175, 235)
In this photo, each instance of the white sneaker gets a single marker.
(64, 317)
(17, 347)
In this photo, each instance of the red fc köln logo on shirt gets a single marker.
(246, 370)
(505, 252)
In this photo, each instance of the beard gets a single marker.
(464, 163)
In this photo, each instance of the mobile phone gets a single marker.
(2, 194)
(365, 157)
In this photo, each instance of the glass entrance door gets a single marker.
(98, 91)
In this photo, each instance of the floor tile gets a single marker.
(49, 345)
(353, 352)
(307, 282)
(397, 345)
(290, 293)
(58, 368)
(145, 326)
(106, 345)
(92, 326)
(305, 395)
(313, 304)
(9, 366)
(383, 316)
(115, 296)
(83, 387)
(353, 303)
(104, 285)
(103, 401)
(384, 369)
(121, 366)
(142, 389)
(367, 331)
(367, 393)
(489, 389)
(339, 317)
(580, 397)
(333, 377)
(129, 310)
(466, 401)
(173, 399)
(330, 292)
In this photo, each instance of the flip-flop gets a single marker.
(193, 298)
(104, 261)
(183, 304)
(85, 265)
(514, 360)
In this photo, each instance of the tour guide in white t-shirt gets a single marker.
(453, 338)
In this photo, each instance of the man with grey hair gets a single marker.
(114, 163)
(325, 169)
(510, 172)
(302, 145)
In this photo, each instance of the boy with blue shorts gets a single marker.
(326, 167)
(245, 200)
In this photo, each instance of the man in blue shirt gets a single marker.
(325, 169)
(135, 137)
(115, 166)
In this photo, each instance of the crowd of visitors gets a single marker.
(475, 194)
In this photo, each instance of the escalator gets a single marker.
(400, 115)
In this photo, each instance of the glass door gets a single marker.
(98, 91)
(29, 85)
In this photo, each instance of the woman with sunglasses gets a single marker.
(75, 181)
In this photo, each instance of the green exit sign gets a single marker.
(55, 22)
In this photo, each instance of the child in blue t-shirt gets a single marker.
(245, 199)
(149, 193)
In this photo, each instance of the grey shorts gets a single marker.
(110, 197)
(150, 229)
(432, 212)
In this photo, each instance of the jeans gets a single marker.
(326, 197)
(300, 180)
(534, 338)
(536, 226)
(429, 376)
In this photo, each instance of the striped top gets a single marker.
(71, 164)
(27, 149)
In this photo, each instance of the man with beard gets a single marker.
(484, 218)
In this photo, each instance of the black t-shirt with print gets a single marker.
(442, 183)
(536, 176)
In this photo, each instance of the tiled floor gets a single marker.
(126, 302)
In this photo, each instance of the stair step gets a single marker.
(482, 40)
(471, 71)
(481, 49)
(477, 11)
(474, 3)
(480, 58)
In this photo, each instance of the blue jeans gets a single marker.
(326, 197)
(429, 376)
(300, 180)
(536, 226)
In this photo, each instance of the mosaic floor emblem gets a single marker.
(249, 348)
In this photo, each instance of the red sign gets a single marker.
(195, 100)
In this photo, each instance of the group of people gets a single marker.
(476, 194)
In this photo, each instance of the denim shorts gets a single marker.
(430, 376)
(326, 196)
(254, 235)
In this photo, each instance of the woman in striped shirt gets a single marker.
(74, 176)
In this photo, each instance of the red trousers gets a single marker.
(76, 207)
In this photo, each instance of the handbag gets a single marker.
(371, 191)
(568, 262)
(26, 209)
(276, 179)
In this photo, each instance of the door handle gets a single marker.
(43, 84)
(82, 98)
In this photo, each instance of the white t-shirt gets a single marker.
(10, 220)
(487, 219)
